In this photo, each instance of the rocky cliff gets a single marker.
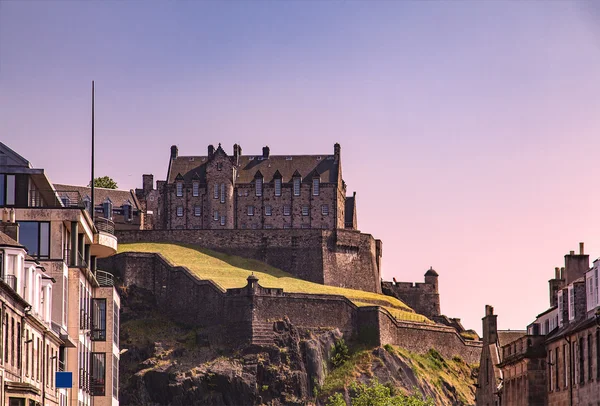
(166, 363)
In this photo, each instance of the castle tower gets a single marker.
(219, 192)
(431, 278)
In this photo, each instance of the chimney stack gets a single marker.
(557, 273)
(174, 151)
(211, 151)
(266, 152)
(337, 151)
(571, 252)
(147, 183)
(580, 248)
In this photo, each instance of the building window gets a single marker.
(268, 210)
(7, 190)
(115, 323)
(581, 370)
(115, 377)
(571, 293)
(222, 193)
(258, 186)
(223, 220)
(305, 210)
(98, 319)
(98, 381)
(179, 189)
(197, 211)
(277, 187)
(268, 226)
(305, 225)
(559, 297)
(325, 210)
(195, 188)
(589, 356)
(287, 226)
(216, 215)
(107, 209)
(296, 186)
(179, 211)
(220, 166)
(250, 210)
(35, 236)
(127, 212)
(286, 210)
(316, 182)
(216, 191)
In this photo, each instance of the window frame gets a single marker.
(268, 210)
(197, 211)
(179, 211)
(258, 186)
(250, 210)
(277, 187)
(38, 248)
(287, 210)
(179, 189)
(195, 188)
(297, 186)
(98, 333)
(305, 210)
(325, 210)
(316, 186)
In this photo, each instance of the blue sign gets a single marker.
(64, 379)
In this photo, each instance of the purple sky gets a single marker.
(468, 129)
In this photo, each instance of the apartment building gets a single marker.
(60, 234)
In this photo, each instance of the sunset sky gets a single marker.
(469, 130)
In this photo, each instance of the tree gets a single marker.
(105, 182)
(376, 394)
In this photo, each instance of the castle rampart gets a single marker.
(424, 297)
(230, 315)
(344, 258)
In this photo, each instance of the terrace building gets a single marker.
(57, 231)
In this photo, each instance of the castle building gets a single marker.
(62, 237)
(219, 191)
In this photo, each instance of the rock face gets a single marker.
(170, 364)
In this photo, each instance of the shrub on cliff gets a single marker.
(376, 394)
(340, 353)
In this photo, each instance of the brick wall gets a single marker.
(337, 258)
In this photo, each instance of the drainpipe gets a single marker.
(44, 375)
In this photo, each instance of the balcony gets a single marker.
(10, 280)
(105, 242)
(105, 279)
(48, 198)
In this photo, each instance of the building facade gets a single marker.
(61, 235)
(219, 191)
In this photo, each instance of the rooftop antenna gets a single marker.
(92, 202)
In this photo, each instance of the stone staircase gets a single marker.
(262, 333)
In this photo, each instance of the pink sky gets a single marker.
(468, 130)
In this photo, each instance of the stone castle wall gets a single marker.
(421, 297)
(229, 315)
(344, 258)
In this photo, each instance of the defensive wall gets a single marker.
(345, 258)
(231, 316)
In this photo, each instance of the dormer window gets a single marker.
(107, 208)
(127, 211)
(258, 183)
(316, 182)
(86, 203)
(277, 187)
(196, 188)
(179, 187)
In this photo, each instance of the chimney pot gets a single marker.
(580, 248)
(562, 272)
(266, 152)
(557, 273)
(571, 252)
(211, 150)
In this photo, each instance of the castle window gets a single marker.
(296, 186)
(179, 211)
(216, 215)
(216, 192)
(250, 210)
(179, 189)
(220, 166)
(305, 225)
(222, 193)
(305, 210)
(286, 210)
(316, 182)
(277, 187)
(223, 218)
(254, 226)
(325, 210)
(287, 226)
(197, 211)
(268, 210)
(196, 188)
(268, 226)
(258, 186)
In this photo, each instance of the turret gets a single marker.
(431, 278)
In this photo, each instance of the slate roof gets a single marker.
(117, 196)
(194, 167)
(6, 241)
(508, 336)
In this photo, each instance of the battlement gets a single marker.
(423, 297)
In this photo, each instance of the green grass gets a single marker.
(230, 271)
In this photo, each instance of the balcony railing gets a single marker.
(97, 386)
(105, 278)
(84, 320)
(55, 198)
(84, 380)
(10, 280)
(104, 224)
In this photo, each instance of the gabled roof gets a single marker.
(286, 165)
(9, 157)
(508, 336)
(116, 196)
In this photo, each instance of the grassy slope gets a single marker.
(231, 272)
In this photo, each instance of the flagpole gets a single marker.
(92, 204)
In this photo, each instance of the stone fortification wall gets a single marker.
(230, 315)
(343, 258)
(422, 297)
